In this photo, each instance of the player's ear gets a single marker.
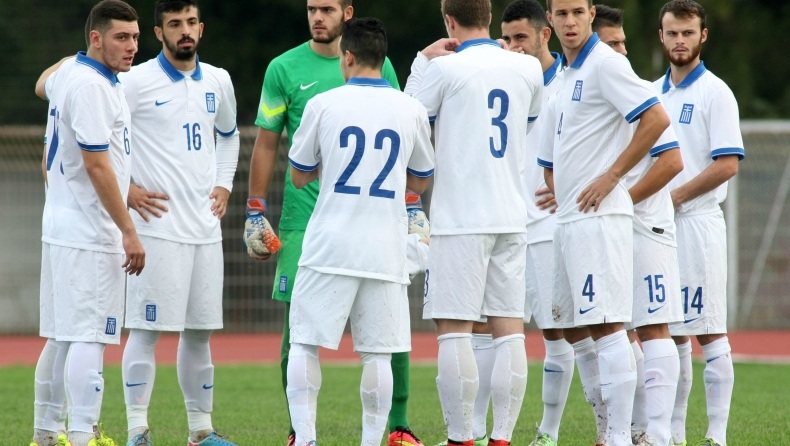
(348, 13)
(200, 34)
(96, 39)
(545, 34)
(661, 35)
(158, 32)
(592, 14)
(549, 18)
(704, 35)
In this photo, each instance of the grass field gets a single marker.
(249, 407)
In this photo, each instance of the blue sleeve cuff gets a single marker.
(419, 174)
(728, 151)
(432, 118)
(226, 134)
(664, 147)
(634, 115)
(532, 119)
(546, 164)
(94, 147)
(302, 167)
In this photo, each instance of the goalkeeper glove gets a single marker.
(418, 222)
(260, 240)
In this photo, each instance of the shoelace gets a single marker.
(142, 439)
(408, 431)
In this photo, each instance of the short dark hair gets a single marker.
(683, 9)
(345, 3)
(165, 6)
(526, 9)
(468, 13)
(606, 16)
(548, 4)
(366, 39)
(102, 15)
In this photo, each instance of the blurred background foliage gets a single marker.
(744, 46)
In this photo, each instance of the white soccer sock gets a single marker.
(590, 375)
(457, 383)
(678, 425)
(84, 387)
(376, 393)
(196, 377)
(719, 379)
(139, 373)
(557, 376)
(508, 384)
(639, 414)
(662, 369)
(485, 356)
(618, 383)
(50, 391)
(304, 382)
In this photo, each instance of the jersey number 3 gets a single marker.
(499, 121)
(359, 149)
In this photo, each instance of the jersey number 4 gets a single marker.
(359, 136)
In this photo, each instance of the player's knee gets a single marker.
(303, 350)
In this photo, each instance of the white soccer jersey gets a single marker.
(484, 100)
(540, 223)
(585, 132)
(91, 114)
(364, 136)
(704, 114)
(54, 83)
(175, 117)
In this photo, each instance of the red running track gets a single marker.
(764, 346)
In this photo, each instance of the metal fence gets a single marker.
(760, 236)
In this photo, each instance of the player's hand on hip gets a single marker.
(547, 200)
(259, 238)
(135, 254)
(145, 202)
(219, 205)
(418, 221)
(441, 47)
(593, 195)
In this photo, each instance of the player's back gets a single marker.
(365, 136)
(484, 99)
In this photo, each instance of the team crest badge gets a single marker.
(577, 91)
(111, 325)
(283, 284)
(687, 113)
(150, 313)
(211, 103)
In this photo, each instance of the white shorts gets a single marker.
(475, 275)
(180, 287)
(702, 258)
(81, 295)
(656, 283)
(540, 284)
(593, 274)
(322, 303)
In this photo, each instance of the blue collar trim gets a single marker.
(586, 50)
(82, 57)
(690, 79)
(173, 73)
(551, 73)
(476, 42)
(368, 82)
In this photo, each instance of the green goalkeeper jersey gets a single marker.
(291, 80)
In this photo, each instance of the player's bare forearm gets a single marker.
(42, 80)
(653, 122)
(548, 175)
(103, 179)
(301, 178)
(416, 184)
(263, 163)
(724, 168)
(666, 167)
(44, 167)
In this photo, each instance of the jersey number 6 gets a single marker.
(359, 135)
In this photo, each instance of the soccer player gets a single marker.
(291, 80)
(588, 148)
(360, 140)
(177, 104)
(704, 113)
(87, 231)
(484, 100)
(608, 24)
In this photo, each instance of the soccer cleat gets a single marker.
(63, 440)
(644, 440)
(213, 439)
(403, 436)
(542, 439)
(291, 439)
(100, 439)
(493, 442)
(685, 443)
(479, 442)
(143, 439)
(707, 442)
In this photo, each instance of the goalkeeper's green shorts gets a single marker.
(287, 264)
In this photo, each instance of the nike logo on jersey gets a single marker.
(586, 311)
(135, 384)
(548, 370)
(305, 87)
(690, 320)
(653, 310)
(157, 103)
(208, 387)
(651, 379)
